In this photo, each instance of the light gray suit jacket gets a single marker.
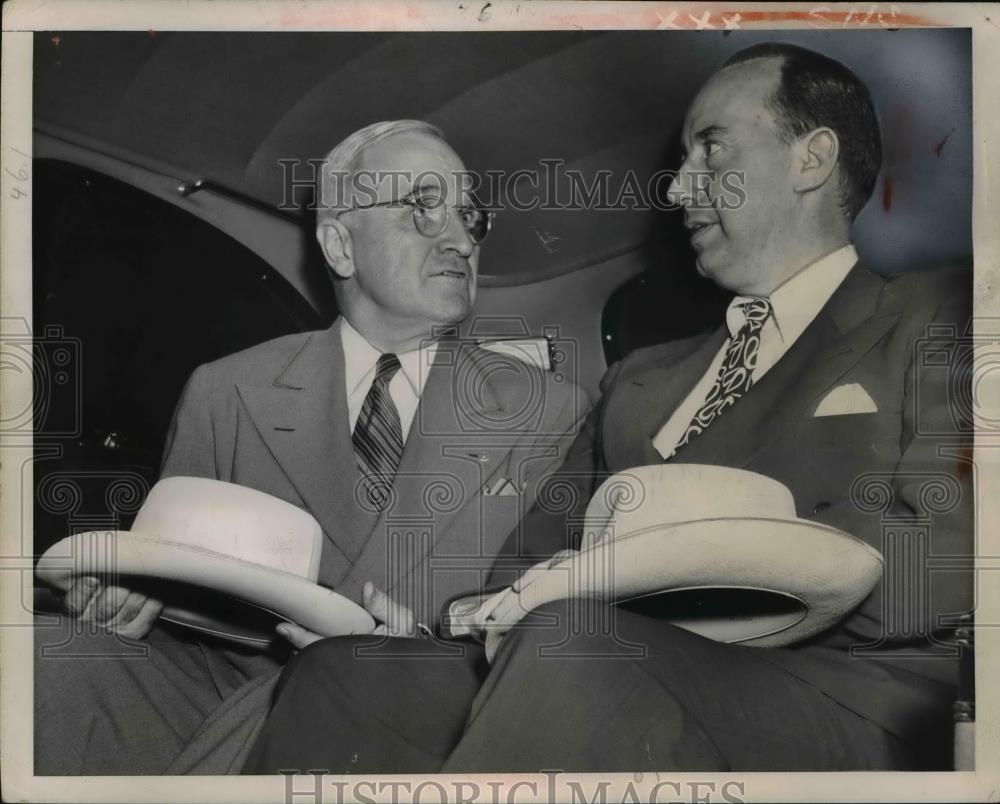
(274, 418)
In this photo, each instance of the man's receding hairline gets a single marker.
(781, 58)
(769, 96)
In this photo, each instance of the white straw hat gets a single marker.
(728, 540)
(219, 536)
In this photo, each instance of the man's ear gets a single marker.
(819, 150)
(335, 241)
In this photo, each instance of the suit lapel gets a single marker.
(303, 419)
(841, 334)
(635, 411)
(444, 465)
(443, 441)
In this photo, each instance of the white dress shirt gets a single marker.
(405, 388)
(794, 305)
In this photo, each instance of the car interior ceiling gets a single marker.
(595, 100)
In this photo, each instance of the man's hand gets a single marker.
(506, 610)
(118, 609)
(393, 619)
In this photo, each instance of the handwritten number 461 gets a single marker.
(21, 175)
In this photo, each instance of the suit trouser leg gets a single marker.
(557, 699)
(107, 705)
(369, 705)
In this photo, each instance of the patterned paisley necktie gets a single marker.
(736, 374)
(378, 435)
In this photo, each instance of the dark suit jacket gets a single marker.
(274, 418)
(866, 473)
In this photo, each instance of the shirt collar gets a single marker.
(797, 301)
(360, 359)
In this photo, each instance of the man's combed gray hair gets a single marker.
(337, 172)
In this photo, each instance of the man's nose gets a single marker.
(455, 236)
(681, 190)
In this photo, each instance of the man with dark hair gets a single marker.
(815, 91)
(814, 381)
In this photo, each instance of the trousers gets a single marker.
(170, 703)
(645, 695)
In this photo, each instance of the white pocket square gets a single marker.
(845, 400)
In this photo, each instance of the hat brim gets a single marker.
(288, 596)
(822, 572)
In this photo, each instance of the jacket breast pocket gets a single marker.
(500, 514)
(868, 429)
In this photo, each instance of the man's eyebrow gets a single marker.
(710, 131)
(423, 188)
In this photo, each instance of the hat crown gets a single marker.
(231, 521)
(660, 495)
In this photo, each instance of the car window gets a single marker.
(664, 303)
(130, 294)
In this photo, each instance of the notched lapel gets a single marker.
(844, 331)
(302, 418)
(639, 407)
(444, 464)
(448, 427)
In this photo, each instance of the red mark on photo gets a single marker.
(940, 146)
(56, 40)
(964, 458)
(826, 15)
(886, 193)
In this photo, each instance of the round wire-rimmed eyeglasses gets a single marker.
(430, 215)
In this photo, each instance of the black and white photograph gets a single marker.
(578, 401)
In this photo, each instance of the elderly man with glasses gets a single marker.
(390, 430)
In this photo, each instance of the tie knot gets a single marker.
(386, 368)
(757, 311)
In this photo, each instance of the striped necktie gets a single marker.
(378, 436)
(736, 373)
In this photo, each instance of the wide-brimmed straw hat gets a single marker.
(716, 550)
(201, 534)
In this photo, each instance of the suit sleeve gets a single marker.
(921, 517)
(190, 444)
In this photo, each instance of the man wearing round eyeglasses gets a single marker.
(403, 241)
(415, 450)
